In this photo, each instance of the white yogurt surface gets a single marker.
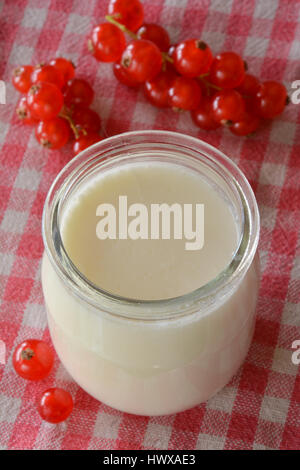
(149, 269)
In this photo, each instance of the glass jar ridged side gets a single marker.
(152, 357)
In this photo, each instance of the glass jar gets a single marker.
(152, 357)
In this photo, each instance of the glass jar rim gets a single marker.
(136, 309)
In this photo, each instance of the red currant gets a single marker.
(127, 12)
(157, 89)
(142, 59)
(270, 100)
(227, 70)
(49, 74)
(249, 86)
(185, 93)
(123, 76)
(22, 78)
(33, 359)
(228, 106)
(23, 112)
(107, 42)
(246, 125)
(192, 58)
(203, 116)
(53, 133)
(155, 33)
(65, 66)
(55, 405)
(44, 100)
(86, 119)
(85, 141)
(79, 91)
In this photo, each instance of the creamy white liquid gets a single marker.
(149, 269)
(144, 367)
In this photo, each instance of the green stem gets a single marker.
(123, 28)
(64, 115)
(211, 85)
(167, 58)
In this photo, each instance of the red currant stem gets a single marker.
(82, 130)
(167, 57)
(211, 85)
(64, 114)
(203, 75)
(123, 28)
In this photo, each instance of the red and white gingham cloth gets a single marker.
(260, 408)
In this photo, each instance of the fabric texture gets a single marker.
(260, 407)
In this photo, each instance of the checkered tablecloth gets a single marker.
(260, 408)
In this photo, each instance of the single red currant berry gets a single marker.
(203, 116)
(49, 74)
(44, 100)
(228, 106)
(270, 100)
(192, 58)
(227, 70)
(155, 33)
(53, 134)
(79, 91)
(157, 89)
(23, 112)
(55, 405)
(246, 125)
(130, 13)
(142, 59)
(107, 42)
(21, 79)
(123, 76)
(185, 93)
(33, 359)
(85, 141)
(249, 86)
(86, 119)
(65, 66)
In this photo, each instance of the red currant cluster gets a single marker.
(216, 90)
(33, 360)
(58, 104)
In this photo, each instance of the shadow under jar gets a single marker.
(157, 356)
